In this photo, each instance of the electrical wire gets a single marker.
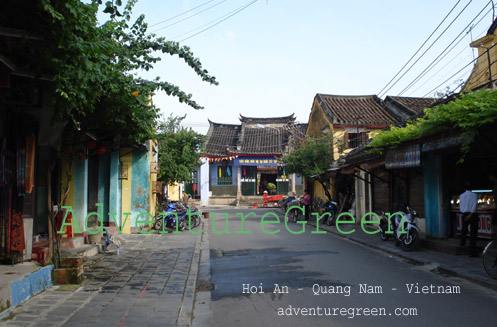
(186, 12)
(471, 62)
(474, 76)
(432, 44)
(419, 49)
(231, 15)
(444, 66)
(444, 53)
(186, 18)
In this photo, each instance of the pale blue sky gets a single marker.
(273, 57)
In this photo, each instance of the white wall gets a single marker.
(203, 180)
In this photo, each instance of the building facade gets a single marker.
(351, 121)
(243, 160)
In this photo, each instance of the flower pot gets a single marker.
(95, 238)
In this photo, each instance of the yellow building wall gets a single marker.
(126, 159)
(481, 72)
(318, 122)
(319, 126)
(319, 190)
(173, 192)
(153, 179)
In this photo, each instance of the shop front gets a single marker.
(447, 170)
(476, 172)
(259, 174)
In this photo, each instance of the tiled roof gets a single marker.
(355, 110)
(248, 139)
(220, 137)
(415, 105)
(269, 120)
(262, 140)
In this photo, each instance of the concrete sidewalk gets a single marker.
(151, 283)
(441, 262)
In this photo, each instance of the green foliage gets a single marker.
(271, 186)
(179, 150)
(311, 157)
(94, 67)
(466, 114)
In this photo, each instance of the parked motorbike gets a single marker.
(294, 214)
(195, 219)
(330, 207)
(170, 217)
(403, 227)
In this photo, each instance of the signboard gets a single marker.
(485, 229)
(255, 161)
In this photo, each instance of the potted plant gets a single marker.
(271, 187)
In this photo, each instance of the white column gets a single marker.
(239, 181)
(294, 176)
(204, 181)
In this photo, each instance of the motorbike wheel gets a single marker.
(384, 236)
(409, 241)
(158, 224)
(181, 225)
(329, 220)
(490, 258)
(295, 216)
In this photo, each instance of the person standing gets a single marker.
(468, 202)
(307, 204)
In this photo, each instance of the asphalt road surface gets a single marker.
(276, 278)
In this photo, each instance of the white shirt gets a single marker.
(468, 202)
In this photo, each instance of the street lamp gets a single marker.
(259, 126)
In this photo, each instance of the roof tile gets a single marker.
(355, 110)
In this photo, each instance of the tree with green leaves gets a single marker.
(179, 150)
(95, 68)
(311, 157)
(465, 115)
(94, 73)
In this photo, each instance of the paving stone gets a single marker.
(144, 286)
(43, 324)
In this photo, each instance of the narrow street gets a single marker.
(304, 261)
(262, 277)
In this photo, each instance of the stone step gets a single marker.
(73, 242)
(86, 250)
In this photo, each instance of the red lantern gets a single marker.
(90, 145)
(100, 150)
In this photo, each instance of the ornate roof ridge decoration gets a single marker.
(222, 124)
(355, 110)
(268, 120)
(247, 138)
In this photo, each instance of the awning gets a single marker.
(403, 157)
(444, 143)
